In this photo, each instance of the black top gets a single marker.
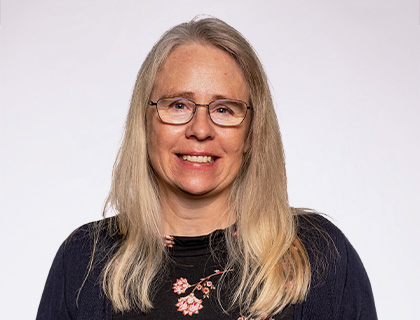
(340, 288)
(191, 283)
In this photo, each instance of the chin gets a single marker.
(197, 191)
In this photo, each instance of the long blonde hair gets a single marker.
(271, 265)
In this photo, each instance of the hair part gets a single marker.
(271, 265)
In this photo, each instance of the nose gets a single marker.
(200, 127)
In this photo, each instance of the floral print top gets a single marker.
(191, 281)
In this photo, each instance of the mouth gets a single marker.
(197, 159)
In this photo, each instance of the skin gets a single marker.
(195, 195)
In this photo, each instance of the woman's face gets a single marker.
(201, 73)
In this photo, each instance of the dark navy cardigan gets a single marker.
(340, 288)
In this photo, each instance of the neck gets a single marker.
(186, 215)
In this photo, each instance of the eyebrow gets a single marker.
(190, 95)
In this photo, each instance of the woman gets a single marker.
(203, 225)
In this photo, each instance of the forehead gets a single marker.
(200, 70)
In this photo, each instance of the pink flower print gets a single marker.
(189, 304)
(206, 291)
(181, 285)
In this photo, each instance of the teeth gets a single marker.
(199, 159)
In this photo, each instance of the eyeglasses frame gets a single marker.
(151, 103)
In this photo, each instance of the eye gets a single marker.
(179, 106)
(222, 110)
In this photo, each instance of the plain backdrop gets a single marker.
(345, 79)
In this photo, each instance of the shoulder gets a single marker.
(325, 245)
(88, 238)
(340, 286)
(86, 250)
(73, 283)
(312, 225)
(328, 248)
(321, 238)
(86, 247)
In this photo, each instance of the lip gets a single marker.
(196, 165)
(197, 153)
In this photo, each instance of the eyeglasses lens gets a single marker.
(222, 112)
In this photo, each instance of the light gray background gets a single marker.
(345, 77)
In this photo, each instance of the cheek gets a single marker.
(236, 142)
(161, 139)
(155, 130)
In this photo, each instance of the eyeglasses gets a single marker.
(223, 112)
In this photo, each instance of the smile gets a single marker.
(197, 159)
